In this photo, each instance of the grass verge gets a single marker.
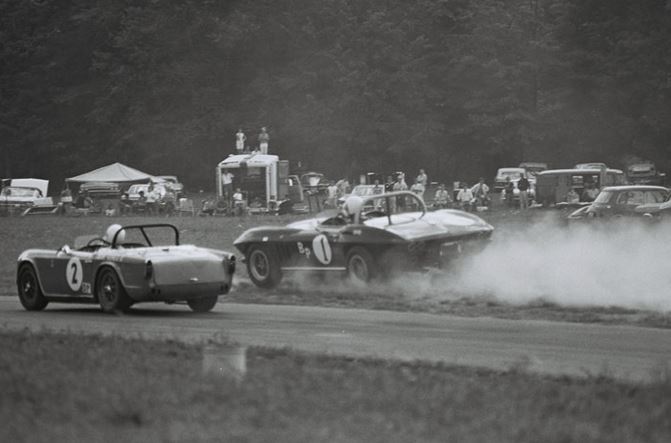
(59, 387)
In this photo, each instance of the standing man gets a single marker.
(465, 197)
(332, 200)
(422, 178)
(227, 186)
(264, 139)
(523, 187)
(481, 193)
(240, 139)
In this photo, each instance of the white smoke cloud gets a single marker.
(622, 264)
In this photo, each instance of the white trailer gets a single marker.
(264, 180)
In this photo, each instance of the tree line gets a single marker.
(457, 87)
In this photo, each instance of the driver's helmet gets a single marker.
(113, 229)
(353, 205)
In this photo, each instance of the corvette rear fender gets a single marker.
(268, 234)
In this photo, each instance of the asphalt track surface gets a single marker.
(624, 352)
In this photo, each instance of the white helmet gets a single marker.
(111, 231)
(353, 204)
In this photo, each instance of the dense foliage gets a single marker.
(458, 87)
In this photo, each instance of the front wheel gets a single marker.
(111, 294)
(203, 304)
(30, 293)
(263, 267)
(361, 267)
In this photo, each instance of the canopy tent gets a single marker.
(114, 173)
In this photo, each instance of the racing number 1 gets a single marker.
(322, 249)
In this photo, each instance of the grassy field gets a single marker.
(20, 233)
(90, 388)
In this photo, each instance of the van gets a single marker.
(553, 185)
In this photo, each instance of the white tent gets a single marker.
(115, 173)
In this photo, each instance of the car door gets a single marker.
(66, 273)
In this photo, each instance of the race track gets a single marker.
(630, 353)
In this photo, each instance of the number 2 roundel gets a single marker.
(322, 249)
(74, 272)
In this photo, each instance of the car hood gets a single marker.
(444, 223)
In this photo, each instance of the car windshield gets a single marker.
(603, 197)
(366, 190)
(513, 175)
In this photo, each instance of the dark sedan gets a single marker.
(622, 201)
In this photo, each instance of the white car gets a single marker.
(134, 191)
(170, 182)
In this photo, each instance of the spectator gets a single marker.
(264, 139)
(152, 199)
(442, 199)
(523, 187)
(572, 196)
(418, 187)
(465, 197)
(140, 204)
(590, 192)
(227, 185)
(66, 201)
(240, 139)
(400, 184)
(238, 202)
(343, 187)
(509, 192)
(84, 201)
(125, 206)
(422, 178)
(168, 202)
(481, 193)
(389, 184)
(332, 191)
(378, 189)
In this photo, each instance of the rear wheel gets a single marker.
(361, 267)
(30, 293)
(203, 304)
(263, 267)
(111, 294)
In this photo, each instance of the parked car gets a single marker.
(170, 182)
(503, 174)
(533, 168)
(397, 234)
(514, 174)
(129, 264)
(101, 189)
(362, 191)
(134, 190)
(645, 173)
(553, 185)
(621, 201)
(22, 193)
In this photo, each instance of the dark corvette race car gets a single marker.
(127, 265)
(375, 236)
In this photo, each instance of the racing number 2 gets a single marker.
(74, 273)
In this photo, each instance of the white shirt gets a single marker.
(465, 195)
(237, 196)
(227, 178)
